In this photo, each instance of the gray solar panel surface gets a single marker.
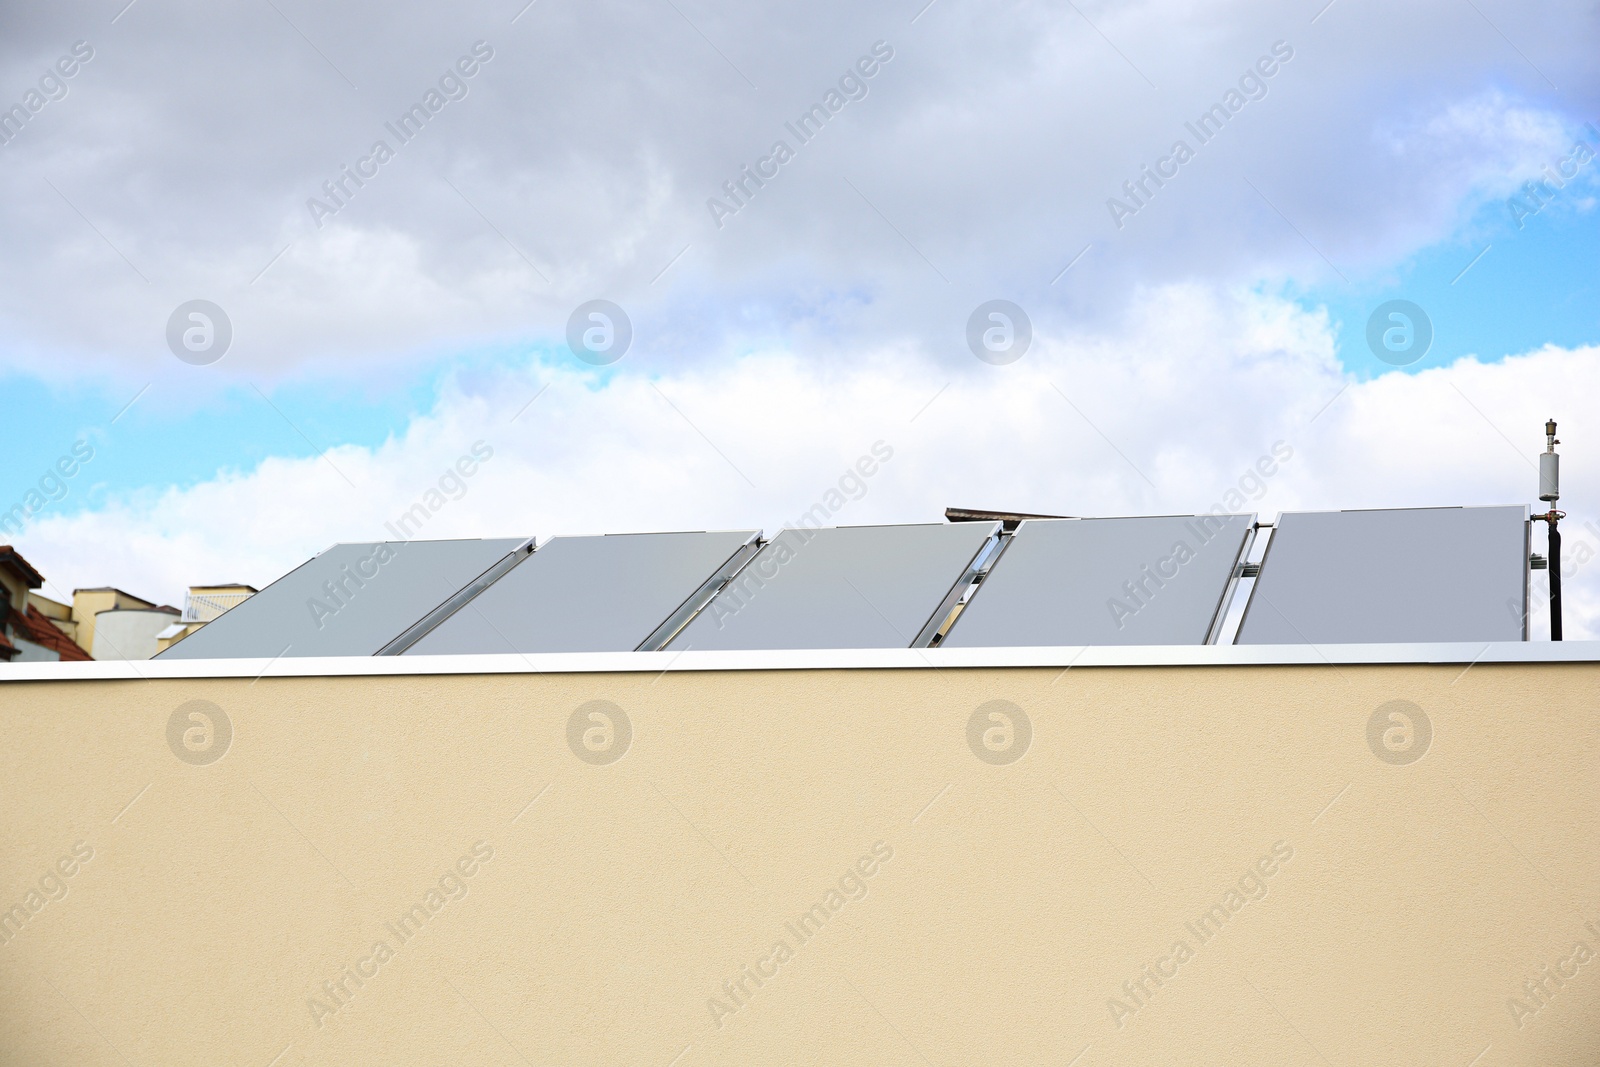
(1151, 580)
(838, 587)
(586, 594)
(349, 601)
(1409, 574)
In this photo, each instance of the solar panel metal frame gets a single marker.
(1275, 553)
(949, 609)
(525, 628)
(1015, 584)
(662, 635)
(426, 625)
(772, 601)
(368, 617)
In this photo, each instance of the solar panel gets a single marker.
(1155, 580)
(590, 594)
(840, 587)
(1411, 574)
(349, 601)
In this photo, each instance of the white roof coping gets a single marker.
(1463, 654)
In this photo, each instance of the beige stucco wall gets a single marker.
(1415, 901)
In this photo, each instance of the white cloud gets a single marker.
(989, 144)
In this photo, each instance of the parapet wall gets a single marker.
(1299, 863)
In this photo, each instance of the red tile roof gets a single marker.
(36, 627)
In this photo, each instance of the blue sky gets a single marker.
(1534, 286)
(164, 439)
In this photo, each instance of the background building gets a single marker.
(204, 603)
(35, 628)
(101, 623)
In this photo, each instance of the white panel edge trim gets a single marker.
(1464, 654)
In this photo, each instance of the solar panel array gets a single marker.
(588, 594)
(1159, 580)
(351, 600)
(839, 587)
(1413, 575)
(1407, 574)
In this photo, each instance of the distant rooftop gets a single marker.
(110, 589)
(12, 559)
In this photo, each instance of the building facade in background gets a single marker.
(102, 623)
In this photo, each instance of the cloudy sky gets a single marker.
(399, 209)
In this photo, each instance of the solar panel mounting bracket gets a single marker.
(949, 609)
(457, 600)
(662, 635)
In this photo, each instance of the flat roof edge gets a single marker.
(1461, 654)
